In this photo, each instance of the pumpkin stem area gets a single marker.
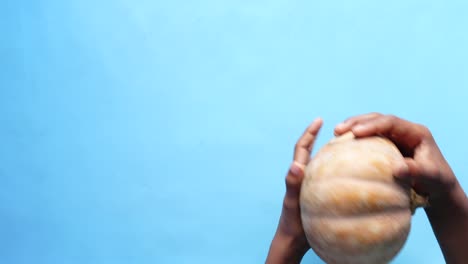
(418, 201)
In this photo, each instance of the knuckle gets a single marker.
(292, 182)
(425, 131)
(290, 204)
(297, 146)
(375, 114)
(289, 182)
(433, 171)
(390, 118)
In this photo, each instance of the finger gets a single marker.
(350, 122)
(402, 132)
(418, 173)
(410, 174)
(305, 143)
(294, 180)
(408, 170)
(301, 157)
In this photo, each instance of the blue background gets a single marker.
(161, 131)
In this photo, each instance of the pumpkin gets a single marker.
(353, 210)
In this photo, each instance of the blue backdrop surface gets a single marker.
(161, 131)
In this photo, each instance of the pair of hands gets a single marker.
(425, 169)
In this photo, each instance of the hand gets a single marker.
(428, 172)
(290, 244)
(426, 168)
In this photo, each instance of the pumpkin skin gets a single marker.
(352, 208)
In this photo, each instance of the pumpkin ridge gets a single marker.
(358, 234)
(354, 197)
(357, 215)
(343, 177)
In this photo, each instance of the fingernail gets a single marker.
(359, 128)
(340, 125)
(316, 121)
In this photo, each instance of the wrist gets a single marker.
(452, 203)
(286, 249)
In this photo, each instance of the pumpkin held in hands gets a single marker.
(353, 209)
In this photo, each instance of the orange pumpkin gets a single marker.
(352, 208)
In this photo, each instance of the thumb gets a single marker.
(416, 174)
(294, 182)
(408, 171)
